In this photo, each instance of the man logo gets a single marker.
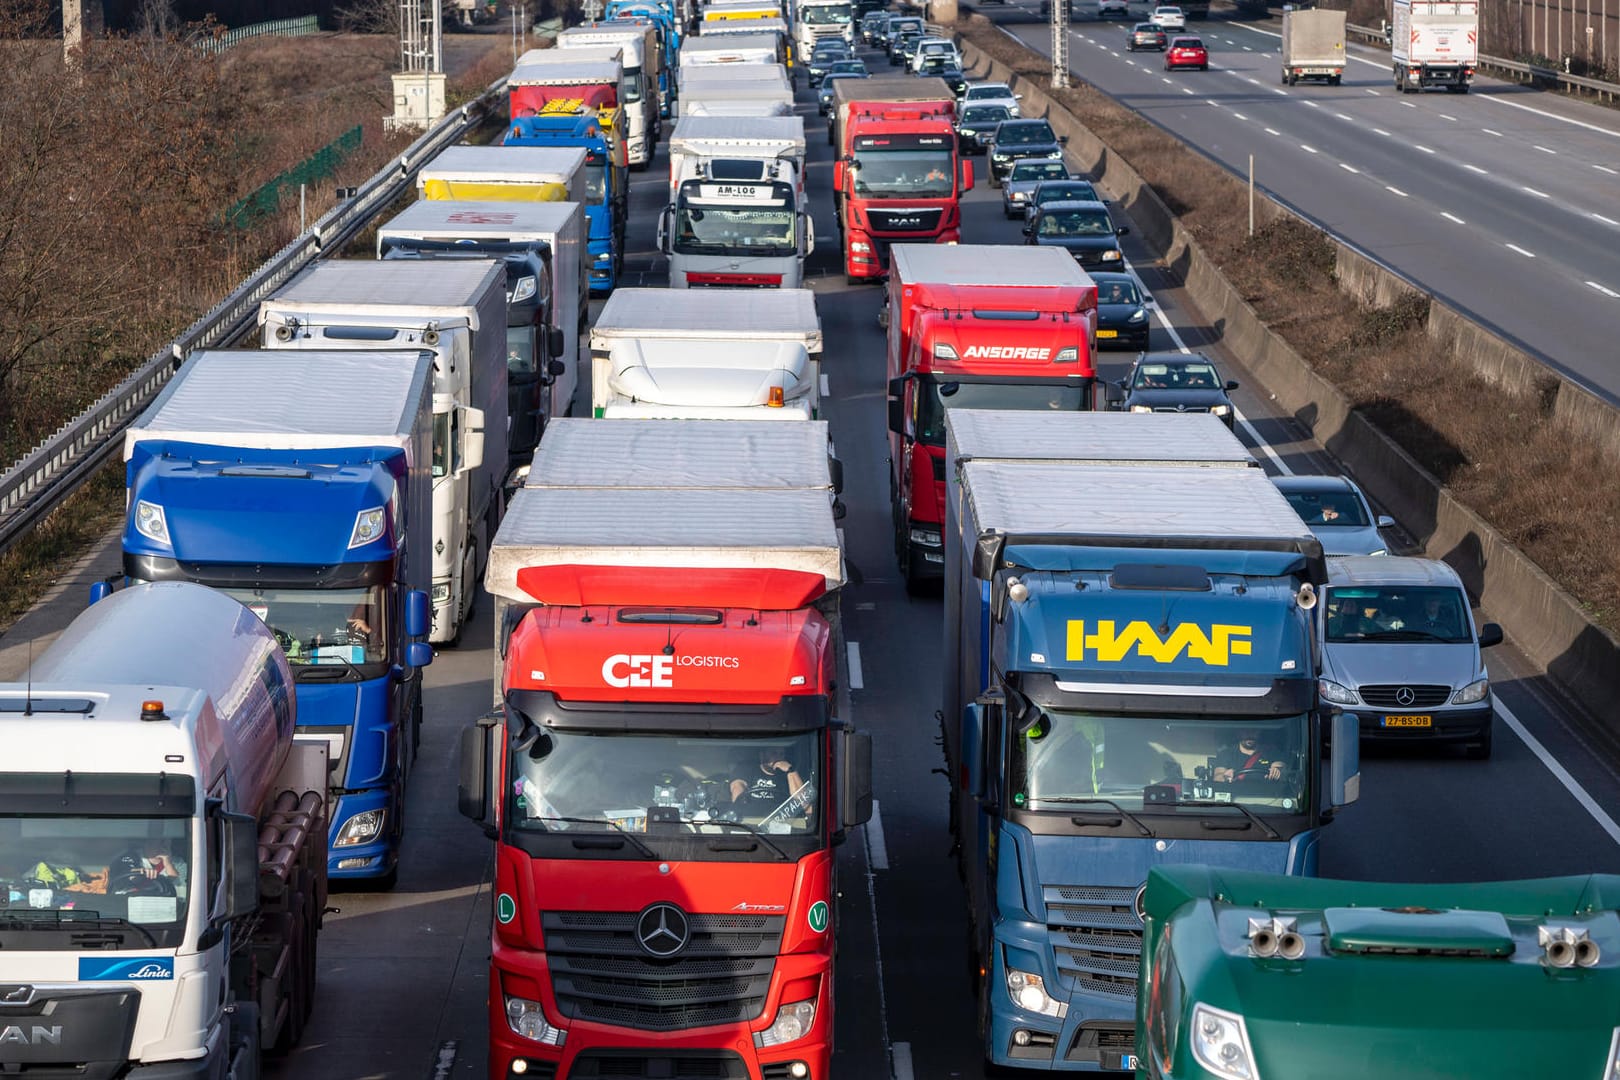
(1107, 645)
(623, 669)
(32, 1035)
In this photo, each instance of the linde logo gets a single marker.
(656, 671)
(1108, 645)
(32, 1035)
(1006, 352)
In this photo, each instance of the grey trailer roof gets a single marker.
(1387, 570)
(1128, 501)
(509, 163)
(290, 399)
(449, 217)
(564, 67)
(719, 134)
(1099, 438)
(899, 88)
(987, 264)
(728, 42)
(707, 314)
(723, 27)
(748, 455)
(429, 287)
(639, 527)
(605, 50)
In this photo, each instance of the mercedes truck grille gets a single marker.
(921, 220)
(600, 971)
(1096, 936)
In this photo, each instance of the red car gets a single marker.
(1186, 52)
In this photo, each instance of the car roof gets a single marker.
(1076, 204)
(1149, 26)
(1059, 182)
(1108, 277)
(1174, 358)
(1390, 570)
(1003, 87)
(1306, 483)
(1179, 38)
(1053, 160)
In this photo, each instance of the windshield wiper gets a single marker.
(1120, 810)
(1271, 834)
(615, 826)
(745, 827)
(72, 920)
(1405, 635)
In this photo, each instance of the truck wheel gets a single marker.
(243, 1056)
(1459, 88)
(1335, 80)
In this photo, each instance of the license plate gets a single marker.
(1408, 721)
(1108, 333)
(1120, 1062)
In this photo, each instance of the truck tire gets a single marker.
(243, 1055)
(1458, 88)
(1335, 80)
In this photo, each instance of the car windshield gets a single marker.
(935, 397)
(1078, 191)
(1147, 28)
(1039, 170)
(1118, 292)
(904, 173)
(110, 882)
(1334, 506)
(322, 626)
(990, 90)
(984, 114)
(847, 67)
(1157, 764)
(1075, 223)
(1025, 134)
(825, 14)
(1192, 376)
(1186, 43)
(1428, 613)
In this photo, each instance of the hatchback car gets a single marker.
(1147, 36)
(1018, 139)
(904, 47)
(1169, 16)
(1071, 190)
(1106, 8)
(869, 25)
(1174, 382)
(1186, 52)
(976, 123)
(824, 94)
(1083, 229)
(1122, 314)
(828, 52)
(1337, 512)
(1400, 651)
(942, 67)
(1022, 179)
(935, 47)
(990, 93)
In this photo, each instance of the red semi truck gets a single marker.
(974, 327)
(899, 176)
(667, 777)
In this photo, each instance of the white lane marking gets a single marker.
(1255, 81)
(1498, 134)
(1184, 90)
(1261, 444)
(1212, 101)
(1349, 168)
(902, 1061)
(1605, 168)
(1342, 116)
(1397, 191)
(1307, 148)
(1606, 220)
(1382, 132)
(1475, 169)
(1521, 251)
(1164, 78)
(1272, 131)
(1538, 194)
(1552, 116)
(1274, 90)
(1371, 91)
(877, 848)
(1544, 150)
(1444, 116)
(1111, 51)
(1247, 48)
(1605, 290)
(1449, 216)
(1409, 105)
(1131, 62)
(857, 678)
(1571, 785)
(1312, 105)
(1240, 116)
(1423, 148)
(826, 390)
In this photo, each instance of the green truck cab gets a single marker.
(1250, 976)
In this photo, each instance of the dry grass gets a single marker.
(1549, 492)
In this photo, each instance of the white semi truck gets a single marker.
(1435, 43)
(814, 20)
(639, 59)
(162, 845)
(736, 90)
(732, 49)
(701, 354)
(457, 310)
(738, 214)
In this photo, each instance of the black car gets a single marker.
(1084, 229)
(942, 68)
(824, 95)
(869, 25)
(1174, 382)
(1122, 314)
(1146, 36)
(1021, 139)
(828, 52)
(976, 123)
(1073, 189)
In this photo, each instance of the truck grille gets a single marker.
(922, 220)
(1096, 936)
(599, 973)
(1180, 409)
(1422, 697)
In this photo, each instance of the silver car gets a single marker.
(1021, 181)
(1400, 652)
(990, 93)
(1337, 512)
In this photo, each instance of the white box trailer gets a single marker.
(670, 455)
(457, 310)
(727, 27)
(641, 61)
(559, 224)
(751, 48)
(759, 97)
(702, 354)
(1312, 45)
(1435, 43)
(504, 173)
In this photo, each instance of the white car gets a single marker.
(1171, 18)
(928, 47)
(991, 93)
(1106, 8)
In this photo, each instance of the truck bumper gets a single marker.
(925, 549)
(1093, 1035)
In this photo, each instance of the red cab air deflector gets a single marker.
(576, 585)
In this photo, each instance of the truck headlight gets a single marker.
(1333, 692)
(528, 1019)
(1472, 693)
(368, 526)
(605, 257)
(1141, 408)
(925, 537)
(523, 290)
(1067, 356)
(1221, 1043)
(1111, 256)
(943, 351)
(792, 1022)
(441, 592)
(150, 521)
(1220, 410)
(361, 828)
(1028, 992)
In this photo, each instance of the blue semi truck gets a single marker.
(607, 186)
(300, 485)
(1129, 683)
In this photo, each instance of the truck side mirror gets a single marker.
(472, 439)
(1490, 634)
(809, 233)
(972, 749)
(418, 654)
(663, 229)
(1344, 769)
(418, 613)
(477, 766)
(897, 416)
(1029, 228)
(835, 468)
(555, 368)
(240, 835)
(856, 797)
(99, 592)
(967, 177)
(556, 342)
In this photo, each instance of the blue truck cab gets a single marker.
(1130, 683)
(607, 185)
(663, 17)
(300, 485)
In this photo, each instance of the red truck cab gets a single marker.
(974, 327)
(899, 176)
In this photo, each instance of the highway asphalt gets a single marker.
(1504, 202)
(402, 974)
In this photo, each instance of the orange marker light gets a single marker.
(776, 399)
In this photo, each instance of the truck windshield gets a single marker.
(632, 85)
(899, 174)
(935, 397)
(595, 182)
(1154, 764)
(655, 786)
(825, 14)
(718, 230)
(317, 627)
(108, 882)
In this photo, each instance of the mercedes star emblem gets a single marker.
(1404, 696)
(662, 930)
(1140, 902)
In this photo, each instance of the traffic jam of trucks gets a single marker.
(1140, 747)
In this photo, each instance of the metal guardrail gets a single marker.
(1531, 73)
(213, 46)
(38, 483)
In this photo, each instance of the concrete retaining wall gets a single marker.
(1547, 623)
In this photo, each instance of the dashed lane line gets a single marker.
(1397, 191)
(1544, 149)
(1538, 194)
(1605, 168)
(1605, 220)
(1561, 774)
(1521, 251)
(1449, 216)
(1475, 169)
(1349, 168)
(1605, 290)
